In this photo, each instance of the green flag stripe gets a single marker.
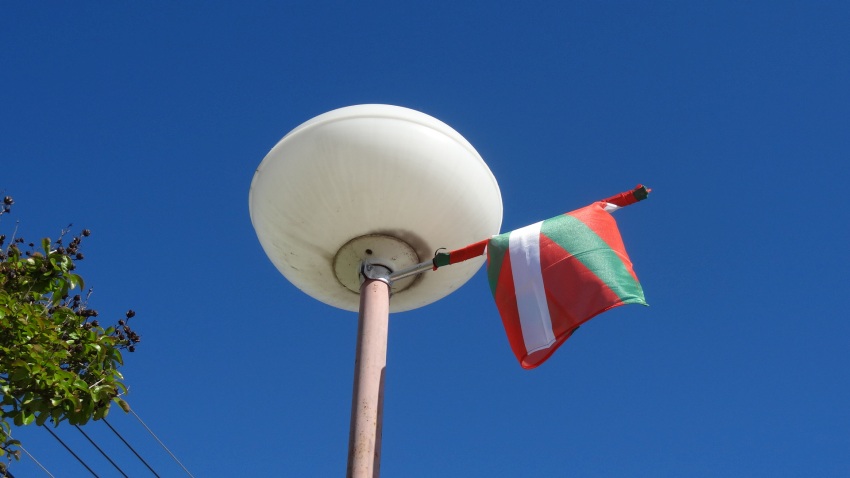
(576, 238)
(496, 250)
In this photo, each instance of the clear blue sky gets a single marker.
(145, 123)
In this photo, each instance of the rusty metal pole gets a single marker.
(367, 401)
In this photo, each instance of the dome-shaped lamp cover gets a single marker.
(379, 171)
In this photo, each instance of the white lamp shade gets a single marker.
(375, 170)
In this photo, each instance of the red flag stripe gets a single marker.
(574, 292)
(605, 227)
(505, 297)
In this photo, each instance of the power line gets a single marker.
(161, 443)
(131, 448)
(71, 452)
(101, 451)
(36, 461)
(31, 458)
(87, 467)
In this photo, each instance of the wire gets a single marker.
(36, 461)
(71, 452)
(161, 443)
(31, 458)
(131, 448)
(101, 451)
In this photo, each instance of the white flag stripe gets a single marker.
(610, 207)
(531, 302)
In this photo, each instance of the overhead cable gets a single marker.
(131, 448)
(31, 458)
(160, 442)
(36, 461)
(71, 451)
(101, 451)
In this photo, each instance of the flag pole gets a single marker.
(477, 249)
(412, 270)
(367, 400)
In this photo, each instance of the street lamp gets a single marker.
(351, 206)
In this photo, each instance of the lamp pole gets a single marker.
(367, 401)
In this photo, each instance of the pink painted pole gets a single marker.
(367, 402)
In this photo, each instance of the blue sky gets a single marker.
(145, 123)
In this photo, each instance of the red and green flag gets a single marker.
(551, 277)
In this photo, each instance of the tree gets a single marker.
(57, 363)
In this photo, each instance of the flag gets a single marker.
(551, 277)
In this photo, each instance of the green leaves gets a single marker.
(56, 361)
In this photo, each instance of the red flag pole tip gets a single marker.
(623, 199)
